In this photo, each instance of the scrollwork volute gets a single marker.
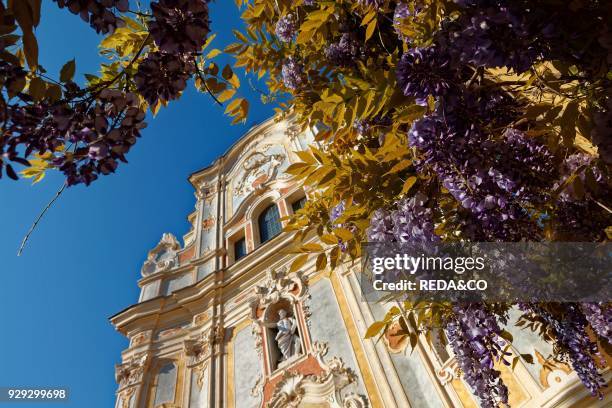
(296, 388)
(258, 168)
(163, 257)
(132, 371)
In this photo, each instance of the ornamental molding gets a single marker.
(205, 191)
(292, 131)
(163, 257)
(132, 371)
(449, 371)
(295, 389)
(125, 397)
(199, 348)
(552, 372)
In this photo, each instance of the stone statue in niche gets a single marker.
(287, 336)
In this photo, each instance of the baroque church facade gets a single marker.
(222, 323)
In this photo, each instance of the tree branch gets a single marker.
(42, 213)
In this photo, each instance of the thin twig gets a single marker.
(42, 213)
(603, 206)
(199, 73)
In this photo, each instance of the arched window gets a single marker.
(269, 224)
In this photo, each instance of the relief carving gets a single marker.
(163, 257)
(258, 169)
(295, 388)
(131, 372)
(126, 397)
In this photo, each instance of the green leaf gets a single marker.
(67, 71)
(506, 336)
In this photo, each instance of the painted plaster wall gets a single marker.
(247, 369)
(326, 325)
(198, 398)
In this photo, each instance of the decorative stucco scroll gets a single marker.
(257, 169)
(132, 371)
(296, 389)
(163, 257)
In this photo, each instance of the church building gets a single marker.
(221, 322)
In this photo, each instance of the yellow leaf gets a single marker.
(370, 29)
(374, 329)
(213, 53)
(343, 234)
(235, 104)
(408, 184)
(234, 81)
(312, 247)
(321, 261)
(226, 95)
(298, 262)
(404, 164)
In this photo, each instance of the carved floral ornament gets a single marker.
(131, 372)
(163, 257)
(295, 388)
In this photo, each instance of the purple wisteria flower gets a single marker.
(286, 27)
(570, 333)
(344, 52)
(179, 26)
(474, 336)
(599, 316)
(292, 74)
(424, 71)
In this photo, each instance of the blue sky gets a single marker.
(82, 263)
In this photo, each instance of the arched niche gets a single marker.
(285, 291)
(271, 317)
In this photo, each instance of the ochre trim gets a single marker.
(353, 333)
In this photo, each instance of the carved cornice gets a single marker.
(449, 371)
